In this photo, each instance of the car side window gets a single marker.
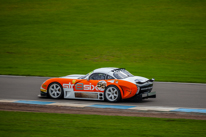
(109, 77)
(97, 76)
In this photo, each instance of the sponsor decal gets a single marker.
(116, 81)
(70, 86)
(89, 87)
(73, 81)
(81, 86)
(101, 85)
(44, 86)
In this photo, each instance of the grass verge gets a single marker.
(163, 39)
(50, 124)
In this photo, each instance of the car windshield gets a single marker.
(122, 73)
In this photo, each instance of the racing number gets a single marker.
(79, 86)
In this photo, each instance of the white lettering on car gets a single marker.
(87, 87)
(68, 85)
(80, 86)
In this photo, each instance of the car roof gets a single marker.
(104, 70)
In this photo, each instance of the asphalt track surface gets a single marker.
(169, 94)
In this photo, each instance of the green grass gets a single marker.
(56, 125)
(163, 39)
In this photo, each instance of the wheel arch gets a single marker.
(120, 89)
(127, 89)
(52, 82)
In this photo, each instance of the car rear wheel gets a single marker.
(55, 90)
(112, 94)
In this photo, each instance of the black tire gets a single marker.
(55, 90)
(112, 94)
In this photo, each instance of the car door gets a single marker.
(90, 84)
(91, 87)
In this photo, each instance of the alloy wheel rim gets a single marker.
(112, 94)
(55, 90)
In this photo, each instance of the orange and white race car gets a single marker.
(111, 84)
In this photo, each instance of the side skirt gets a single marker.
(70, 94)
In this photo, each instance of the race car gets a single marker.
(110, 84)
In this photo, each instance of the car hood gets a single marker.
(136, 79)
(74, 76)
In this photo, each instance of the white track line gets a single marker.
(155, 108)
(144, 108)
(69, 104)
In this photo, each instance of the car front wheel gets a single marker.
(55, 90)
(112, 94)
